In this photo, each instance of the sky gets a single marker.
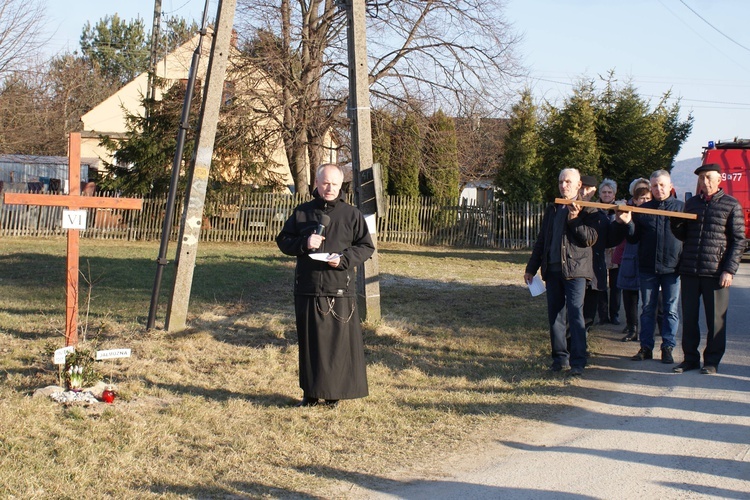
(701, 56)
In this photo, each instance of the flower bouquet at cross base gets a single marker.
(79, 370)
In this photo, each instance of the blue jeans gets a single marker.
(565, 310)
(670, 295)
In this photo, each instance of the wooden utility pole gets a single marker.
(365, 195)
(192, 216)
(151, 92)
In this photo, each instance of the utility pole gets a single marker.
(151, 91)
(365, 177)
(192, 216)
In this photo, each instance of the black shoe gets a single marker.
(630, 334)
(708, 370)
(666, 356)
(576, 371)
(306, 401)
(332, 403)
(643, 354)
(557, 367)
(615, 321)
(685, 367)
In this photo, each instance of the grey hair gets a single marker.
(320, 168)
(572, 170)
(660, 173)
(608, 183)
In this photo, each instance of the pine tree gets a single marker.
(441, 169)
(406, 157)
(519, 177)
(570, 140)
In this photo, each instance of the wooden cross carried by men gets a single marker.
(73, 200)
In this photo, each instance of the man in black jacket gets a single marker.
(658, 257)
(711, 253)
(563, 251)
(595, 299)
(331, 350)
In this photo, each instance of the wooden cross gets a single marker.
(73, 200)
(627, 208)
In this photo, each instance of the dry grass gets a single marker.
(208, 413)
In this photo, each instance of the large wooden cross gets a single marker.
(73, 200)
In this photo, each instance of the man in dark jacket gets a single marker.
(563, 251)
(329, 238)
(711, 253)
(658, 257)
(595, 299)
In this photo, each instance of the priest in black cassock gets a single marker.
(329, 237)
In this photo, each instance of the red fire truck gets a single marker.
(734, 159)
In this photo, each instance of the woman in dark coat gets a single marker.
(329, 237)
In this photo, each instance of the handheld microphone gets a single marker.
(324, 221)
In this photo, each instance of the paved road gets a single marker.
(636, 431)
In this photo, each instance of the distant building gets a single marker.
(109, 117)
(39, 173)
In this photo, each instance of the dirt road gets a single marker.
(635, 430)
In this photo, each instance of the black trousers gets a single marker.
(614, 295)
(595, 301)
(715, 305)
(630, 304)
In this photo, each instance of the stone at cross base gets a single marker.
(73, 200)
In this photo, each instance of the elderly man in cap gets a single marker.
(563, 252)
(713, 245)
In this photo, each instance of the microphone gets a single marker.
(324, 221)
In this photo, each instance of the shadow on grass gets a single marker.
(223, 395)
(239, 490)
(434, 488)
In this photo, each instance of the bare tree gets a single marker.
(447, 53)
(21, 32)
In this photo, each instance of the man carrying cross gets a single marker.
(658, 257)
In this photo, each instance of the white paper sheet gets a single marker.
(324, 257)
(536, 287)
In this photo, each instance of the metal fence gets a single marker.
(258, 217)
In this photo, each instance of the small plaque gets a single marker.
(60, 354)
(74, 219)
(112, 353)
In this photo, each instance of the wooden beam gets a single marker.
(72, 201)
(626, 208)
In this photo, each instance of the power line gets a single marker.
(714, 27)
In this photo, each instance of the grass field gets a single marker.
(458, 356)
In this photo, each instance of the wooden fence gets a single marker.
(258, 217)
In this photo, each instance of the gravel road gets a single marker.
(634, 430)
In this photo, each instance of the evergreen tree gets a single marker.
(143, 160)
(569, 139)
(406, 157)
(518, 179)
(382, 129)
(629, 136)
(120, 48)
(441, 169)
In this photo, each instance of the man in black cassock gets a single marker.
(329, 237)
